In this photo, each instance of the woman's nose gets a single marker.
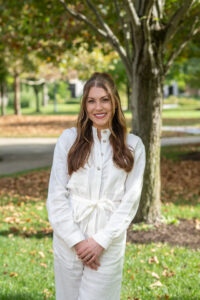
(98, 106)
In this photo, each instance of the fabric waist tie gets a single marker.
(90, 214)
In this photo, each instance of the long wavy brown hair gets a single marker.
(79, 153)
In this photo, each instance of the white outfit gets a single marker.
(99, 200)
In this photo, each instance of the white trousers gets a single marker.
(75, 281)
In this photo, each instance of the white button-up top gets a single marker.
(99, 200)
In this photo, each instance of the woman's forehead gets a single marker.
(97, 92)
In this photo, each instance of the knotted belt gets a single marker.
(90, 214)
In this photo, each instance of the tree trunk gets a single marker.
(128, 92)
(146, 110)
(36, 90)
(45, 96)
(3, 98)
(17, 106)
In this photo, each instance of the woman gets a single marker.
(94, 192)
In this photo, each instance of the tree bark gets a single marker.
(17, 106)
(146, 110)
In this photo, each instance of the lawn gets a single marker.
(151, 271)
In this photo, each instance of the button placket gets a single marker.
(98, 167)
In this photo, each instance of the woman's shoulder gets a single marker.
(134, 140)
(68, 135)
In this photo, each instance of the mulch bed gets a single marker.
(184, 234)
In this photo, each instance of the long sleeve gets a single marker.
(126, 211)
(58, 205)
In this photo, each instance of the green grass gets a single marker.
(31, 280)
(62, 109)
(174, 153)
(186, 109)
(177, 270)
(180, 209)
(186, 112)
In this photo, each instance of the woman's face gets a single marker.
(99, 107)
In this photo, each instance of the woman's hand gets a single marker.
(89, 251)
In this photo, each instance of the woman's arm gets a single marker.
(58, 205)
(124, 214)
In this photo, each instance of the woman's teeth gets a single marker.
(100, 116)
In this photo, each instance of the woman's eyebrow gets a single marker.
(100, 98)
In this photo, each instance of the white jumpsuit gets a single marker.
(99, 201)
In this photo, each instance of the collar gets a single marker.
(105, 133)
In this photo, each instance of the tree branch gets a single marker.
(148, 8)
(160, 4)
(134, 17)
(125, 30)
(195, 29)
(83, 18)
(106, 32)
(111, 37)
(173, 23)
(32, 82)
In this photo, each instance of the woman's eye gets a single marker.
(105, 99)
(90, 101)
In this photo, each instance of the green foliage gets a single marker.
(119, 73)
(27, 98)
(61, 89)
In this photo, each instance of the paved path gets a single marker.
(20, 154)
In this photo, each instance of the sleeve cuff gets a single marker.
(102, 239)
(74, 239)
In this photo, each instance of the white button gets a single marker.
(98, 168)
(104, 141)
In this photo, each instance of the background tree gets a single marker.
(26, 28)
(186, 69)
(148, 36)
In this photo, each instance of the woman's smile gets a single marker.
(100, 116)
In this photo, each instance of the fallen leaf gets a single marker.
(155, 275)
(165, 273)
(13, 274)
(155, 284)
(41, 254)
(43, 265)
(47, 293)
(197, 224)
(153, 259)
